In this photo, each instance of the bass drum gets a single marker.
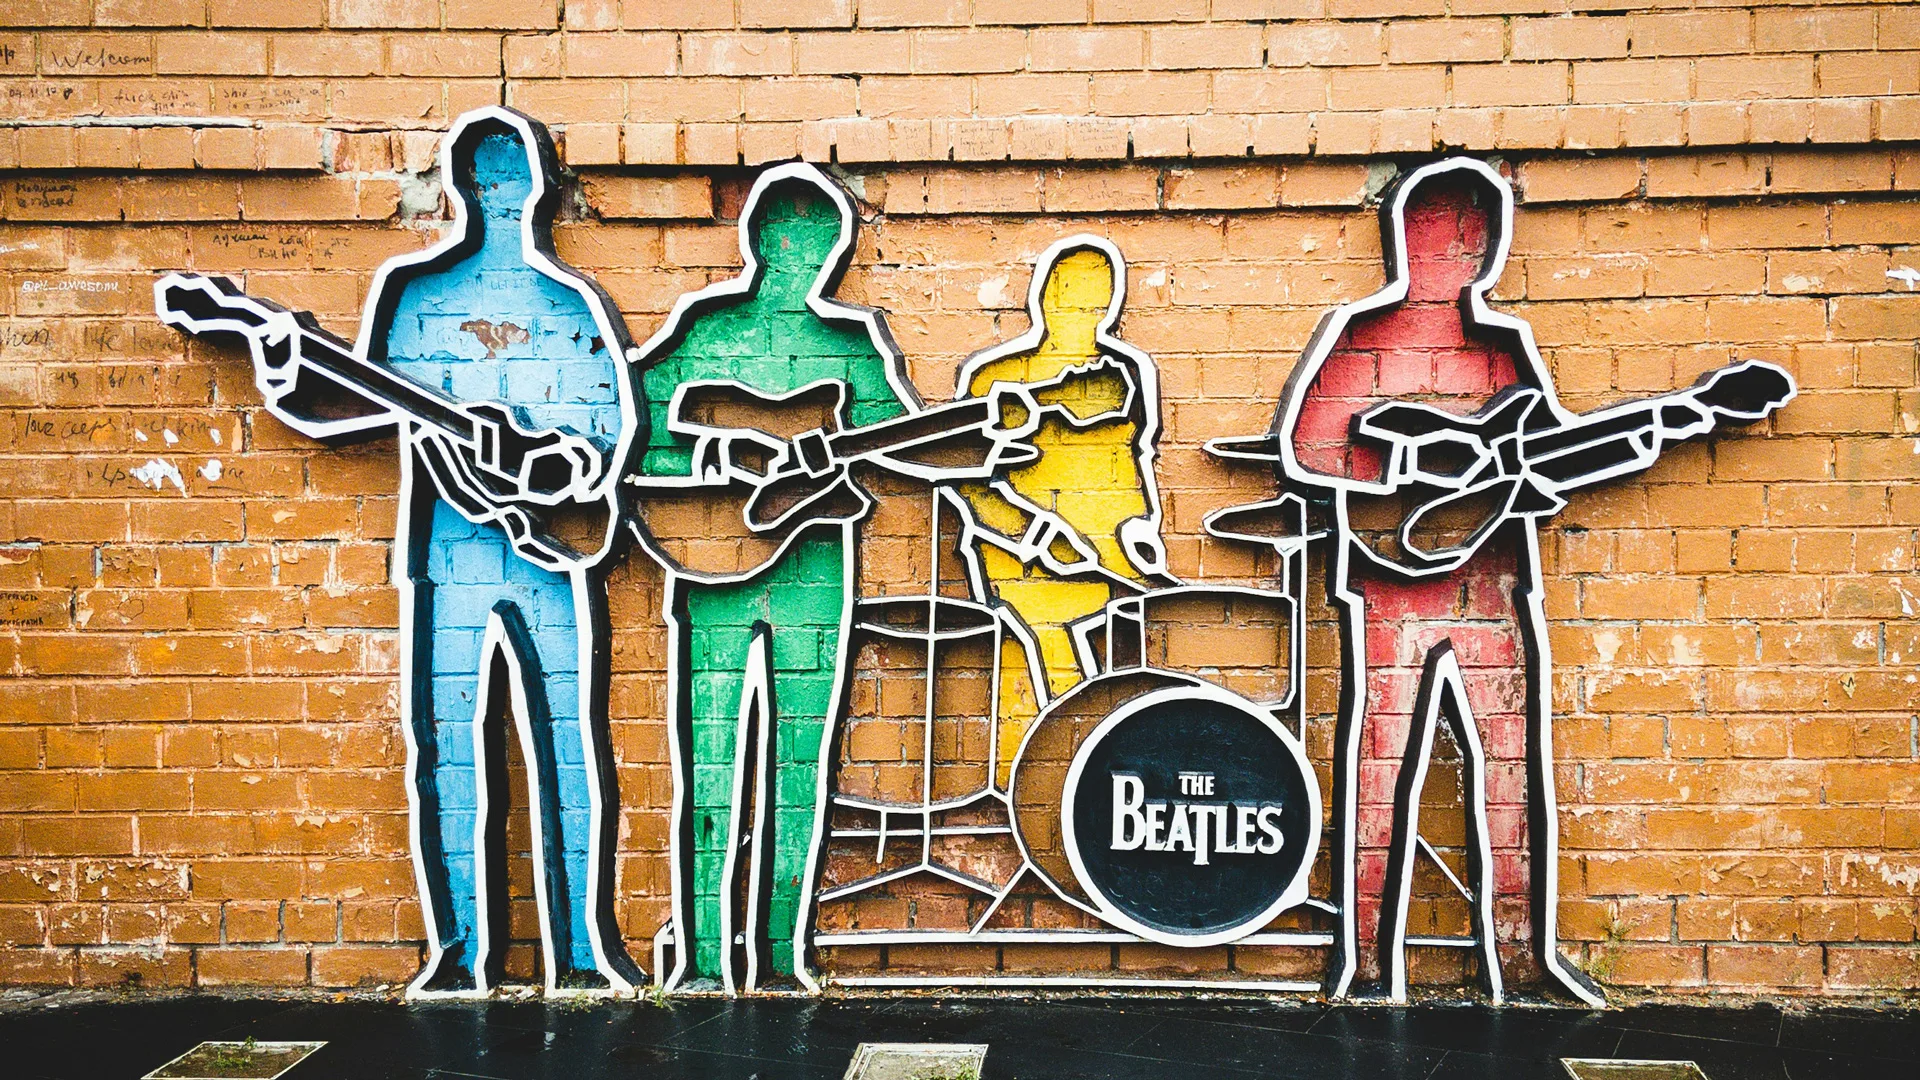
(1168, 806)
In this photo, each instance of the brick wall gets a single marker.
(698, 83)
(200, 768)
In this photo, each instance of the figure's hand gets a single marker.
(1430, 446)
(795, 498)
(545, 467)
(725, 457)
(1080, 396)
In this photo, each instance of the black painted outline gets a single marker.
(635, 486)
(1442, 697)
(1538, 415)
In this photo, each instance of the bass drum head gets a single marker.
(1169, 806)
(1040, 768)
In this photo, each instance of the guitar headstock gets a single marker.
(1744, 392)
(204, 304)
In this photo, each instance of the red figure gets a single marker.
(1426, 425)
(1428, 337)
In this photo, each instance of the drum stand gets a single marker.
(1114, 643)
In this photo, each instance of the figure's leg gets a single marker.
(1441, 702)
(1382, 723)
(1497, 631)
(554, 664)
(803, 599)
(743, 872)
(441, 633)
(714, 631)
(1351, 604)
(683, 760)
(1040, 663)
(534, 636)
(809, 608)
(605, 946)
(1393, 621)
(1543, 809)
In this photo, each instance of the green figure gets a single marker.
(757, 617)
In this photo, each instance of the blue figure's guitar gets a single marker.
(483, 460)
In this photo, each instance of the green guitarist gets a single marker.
(757, 625)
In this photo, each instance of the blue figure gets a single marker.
(502, 370)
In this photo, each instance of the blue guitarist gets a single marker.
(500, 368)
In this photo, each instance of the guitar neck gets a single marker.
(1603, 444)
(941, 420)
(384, 387)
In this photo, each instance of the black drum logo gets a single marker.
(1191, 816)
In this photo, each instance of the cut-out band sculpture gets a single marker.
(1073, 765)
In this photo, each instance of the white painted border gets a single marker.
(583, 572)
(686, 309)
(1529, 614)
(1050, 937)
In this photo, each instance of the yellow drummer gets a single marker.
(1056, 539)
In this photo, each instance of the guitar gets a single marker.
(1460, 478)
(482, 459)
(775, 463)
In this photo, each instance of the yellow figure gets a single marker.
(1058, 538)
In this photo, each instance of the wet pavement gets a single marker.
(62, 1037)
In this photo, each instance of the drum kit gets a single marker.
(1167, 796)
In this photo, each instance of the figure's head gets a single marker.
(797, 221)
(495, 161)
(1448, 225)
(1076, 295)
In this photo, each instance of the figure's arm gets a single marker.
(981, 437)
(544, 487)
(758, 467)
(708, 505)
(747, 470)
(702, 529)
(1032, 535)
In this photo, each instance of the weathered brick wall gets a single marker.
(200, 768)
(708, 82)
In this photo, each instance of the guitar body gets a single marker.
(555, 536)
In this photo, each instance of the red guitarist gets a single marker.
(1427, 425)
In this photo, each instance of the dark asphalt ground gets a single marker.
(121, 1037)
